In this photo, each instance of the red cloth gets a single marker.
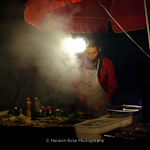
(108, 79)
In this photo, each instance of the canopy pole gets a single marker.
(147, 22)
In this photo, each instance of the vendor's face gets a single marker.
(92, 53)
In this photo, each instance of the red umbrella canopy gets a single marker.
(130, 14)
(86, 16)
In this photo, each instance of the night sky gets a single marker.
(19, 81)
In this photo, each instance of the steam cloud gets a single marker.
(40, 66)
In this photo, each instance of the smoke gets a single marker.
(40, 65)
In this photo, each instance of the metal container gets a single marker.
(94, 128)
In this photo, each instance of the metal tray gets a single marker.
(126, 108)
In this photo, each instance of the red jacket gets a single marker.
(108, 78)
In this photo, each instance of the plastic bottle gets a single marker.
(37, 106)
(49, 110)
(45, 112)
(28, 106)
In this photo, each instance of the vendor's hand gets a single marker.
(104, 102)
(80, 96)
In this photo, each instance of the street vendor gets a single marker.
(98, 82)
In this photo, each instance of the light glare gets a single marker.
(73, 46)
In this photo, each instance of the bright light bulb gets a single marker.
(73, 46)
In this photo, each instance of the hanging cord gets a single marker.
(123, 29)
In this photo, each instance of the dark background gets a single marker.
(17, 82)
